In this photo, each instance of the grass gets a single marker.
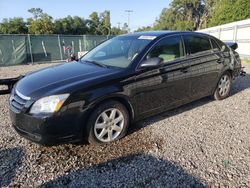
(245, 60)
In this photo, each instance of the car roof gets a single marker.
(150, 33)
(162, 33)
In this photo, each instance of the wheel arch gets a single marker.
(119, 98)
(230, 71)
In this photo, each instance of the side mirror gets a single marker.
(152, 63)
(232, 45)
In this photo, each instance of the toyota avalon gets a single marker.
(122, 80)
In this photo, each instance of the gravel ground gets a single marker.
(205, 143)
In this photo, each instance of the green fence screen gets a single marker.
(23, 49)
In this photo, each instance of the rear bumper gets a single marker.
(242, 72)
(238, 71)
(47, 130)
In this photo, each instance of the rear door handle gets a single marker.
(219, 61)
(184, 70)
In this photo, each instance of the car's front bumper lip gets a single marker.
(46, 131)
(45, 140)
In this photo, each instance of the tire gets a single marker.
(107, 123)
(223, 87)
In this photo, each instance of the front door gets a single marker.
(168, 86)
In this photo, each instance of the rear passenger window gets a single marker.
(196, 44)
(214, 45)
(223, 46)
(168, 49)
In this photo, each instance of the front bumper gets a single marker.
(58, 129)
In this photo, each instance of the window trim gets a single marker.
(219, 41)
(218, 47)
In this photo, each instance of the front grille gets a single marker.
(18, 101)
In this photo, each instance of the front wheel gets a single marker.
(223, 87)
(107, 123)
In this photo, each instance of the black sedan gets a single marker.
(123, 80)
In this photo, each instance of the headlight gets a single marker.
(49, 104)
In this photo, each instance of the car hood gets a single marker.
(52, 78)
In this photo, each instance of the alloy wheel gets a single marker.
(109, 125)
(224, 85)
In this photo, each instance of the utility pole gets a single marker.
(118, 24)
(129, 11)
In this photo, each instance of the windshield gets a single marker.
(118, 52)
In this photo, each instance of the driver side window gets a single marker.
(169, 49)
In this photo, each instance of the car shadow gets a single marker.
(10, 160)
(239, 85)
(137, 170)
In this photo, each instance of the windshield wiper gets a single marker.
(96, 63)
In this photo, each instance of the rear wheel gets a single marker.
(107, 123)
(223, 87)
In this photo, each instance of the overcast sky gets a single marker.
(144, 11)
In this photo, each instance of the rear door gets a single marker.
(205, 64)
(168, 86)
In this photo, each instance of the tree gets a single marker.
(65, 25)
(125, 27)
(79, 26)
(105, 25)
(181, 15)
(69, 25)
(58, 27)
(226, 11)
(242, 11)
(99, 24)
(37, 12)
(13, 26)
(208, 7)
(222, 13)
(117, 31)
(41, 23)
(93, 24)
(198, 14)
(146, 28)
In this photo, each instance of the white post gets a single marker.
(73, 47)
(44, 49)
(235, 33)
(84, 42)
(31, 55)
(60, 47)
(219, 33)
(80, 45)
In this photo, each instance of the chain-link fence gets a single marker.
(22, 49)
